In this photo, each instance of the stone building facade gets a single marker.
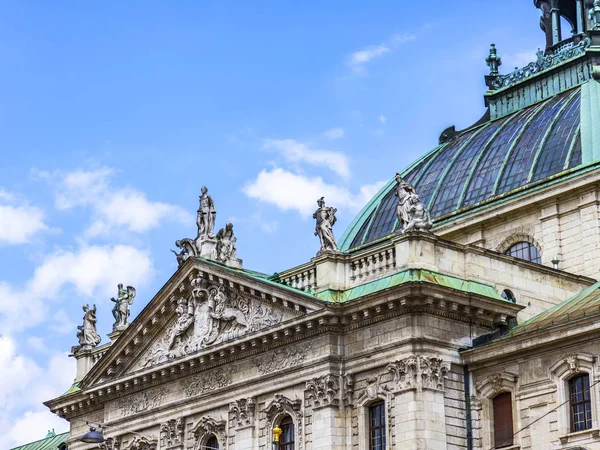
(480, 333)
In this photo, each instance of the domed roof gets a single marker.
(485, 161)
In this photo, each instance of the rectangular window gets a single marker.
(377, 426)
(503, 420)
(581, 405)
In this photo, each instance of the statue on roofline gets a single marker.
(206, 216)
(121, 309)
(226, 243)
(326, 219)
(87, 335)
(412, 214)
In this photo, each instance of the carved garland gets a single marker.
(205, 382)
(282, 358)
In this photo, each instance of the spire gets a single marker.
(493, 61)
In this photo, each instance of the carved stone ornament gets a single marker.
(419, 372)
(206, 245)
(142, 443)
(373, 390)
(572, 362)
(412, 214)
(206, 427)
(111, 443)
(171, 433)
(140, 402)
(282, 358)
(564, 53)
(120, 311)
(347, 389)
(87, 335)
(209, 314)
(325, 220)
(206, 382)
(323, 391)
(243, 411)
(495, 383)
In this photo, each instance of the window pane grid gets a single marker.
(377, 426)
(358, 239)
(576, 155)
(519, 164)
(451, 186)
(526, 251)
(286, 440)
(552, 157)
(484, 177)
(581, 405)
(384, 218)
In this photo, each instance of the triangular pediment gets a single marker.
(204, 306)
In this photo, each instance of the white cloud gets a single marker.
(334, 133)
(298, 152)
(114, 207)
(23, 417)
(357, 60)
(19, 222)
(290, 191)
(382, 119)
(90, 272)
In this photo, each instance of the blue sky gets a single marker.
(114, 114)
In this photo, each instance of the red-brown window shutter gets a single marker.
(503, 420)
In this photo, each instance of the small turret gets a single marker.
(578, 13)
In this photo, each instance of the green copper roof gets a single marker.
(73, 388)
(493, 159)
(409, 276)
(584, 304)
(50, 442)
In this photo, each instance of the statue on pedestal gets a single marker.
(121, 309)
(206, 216)
(412, 214)
(226, 243)
(87, 335)
(325, 217)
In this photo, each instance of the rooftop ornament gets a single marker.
(564, 53)
(121, 309)
(87, 334)
(412, 214)
(325, 217)
(595, 14)
(493, 60)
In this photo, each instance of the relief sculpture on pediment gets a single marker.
(209, 314)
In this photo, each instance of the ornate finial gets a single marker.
(87, 335)
(276, 433)
(325, 217)
(412, 214)
(493, 60)
(595, 14)
(121, 309)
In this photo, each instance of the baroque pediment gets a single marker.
(202, 306)
(206, 315)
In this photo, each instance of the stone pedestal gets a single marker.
(84, 362)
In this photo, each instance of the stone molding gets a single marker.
(419, 372)
(140, 402)
(206, 382)
(572, 364)
(518, 236)
(496, 383)
(206, 427)
(243, 411)
(171, 433)
(281, 358)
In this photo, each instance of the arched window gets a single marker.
(377, 426)
(526, 251)
(508, 296)
(212, 443)
(286, 440)
(580, 403)
(503, 420)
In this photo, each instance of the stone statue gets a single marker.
(325, 217)
(87, 334)
(206, 216)
(404, 192)
(419, 216)
(226, 243)
(121, 309)
(188, 248)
